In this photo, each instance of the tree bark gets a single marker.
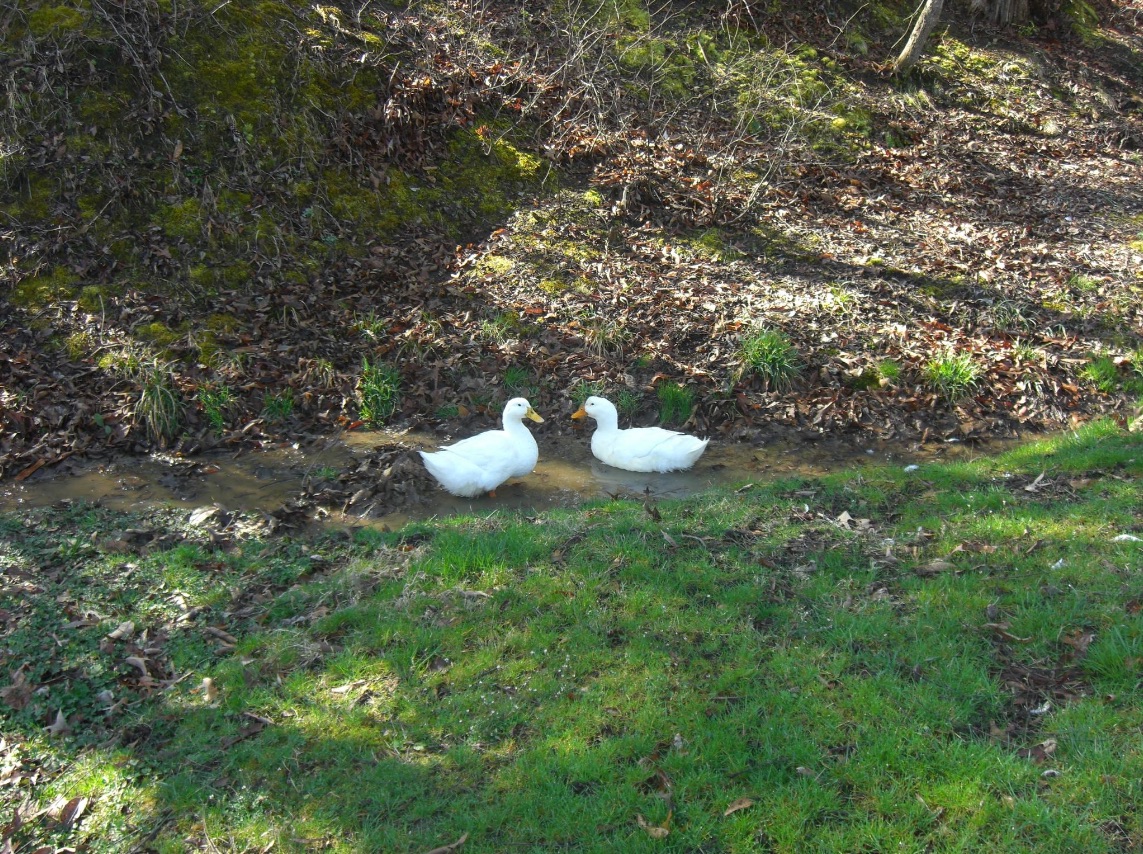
(915, 46)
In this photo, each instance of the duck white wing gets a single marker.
(647, 449)
(474, 465)
(482, 462)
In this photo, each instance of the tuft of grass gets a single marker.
(604, 336)
(582, 389)
(676, 402)
(159, 408)
(215, 400)
(1012, 316)
(519, 380)
(1084, 283)
(371, 326)
(1102, 372)
(319, 373)
(378, 392)
(500, 329)
(889, 370)
(628, 402)
(952, 375)
(278, 406)
(769, 354)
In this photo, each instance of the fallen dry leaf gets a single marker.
(19, 693)
(60, 725)
(1038, 752)
(655, 831)
(934, 567)
(740, 804)
(72, 812)
(123, 631)
(445, 849)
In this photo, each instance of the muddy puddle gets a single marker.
(376, 478)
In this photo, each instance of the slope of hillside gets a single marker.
(236, 223)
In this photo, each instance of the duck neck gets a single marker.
(607, 421)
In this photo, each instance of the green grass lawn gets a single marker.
(941, 659)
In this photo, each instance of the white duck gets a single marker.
(640, 448)
(482, 462)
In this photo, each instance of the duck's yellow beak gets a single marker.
(535, 416)
(579, 413)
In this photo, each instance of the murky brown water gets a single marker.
(566, 475)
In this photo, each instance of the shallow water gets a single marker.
(566, 475)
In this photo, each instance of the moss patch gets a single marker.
(57, 20)
(46, 288)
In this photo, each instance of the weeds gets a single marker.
(628, 402)
(952, 375)
(371, 326)
(319, 372)
(215, 400)
(1102, 373)
(278, 406)
(581, 390)
(500, 329)
(676, 402)
(518, 381)
(159, 409)
(605, 336)
(769, 354)
(378, 392)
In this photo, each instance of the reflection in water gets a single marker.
(566, 475)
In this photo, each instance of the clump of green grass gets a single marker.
(881, 374)
(518, 380)
(215, 400)
(371, 326)
(501, 328)
(1084, 283)
(628, 402)
(676, 402)
(1102, 372)
(769, 354)
(378, 392)
(1025, 352)
(1012, 316)
(952, 375)
(889, 370)
(582, 389)
(159, 408)
(278, 406)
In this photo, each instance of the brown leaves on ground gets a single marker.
(1003, 236)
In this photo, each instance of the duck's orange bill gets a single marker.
(579, 413)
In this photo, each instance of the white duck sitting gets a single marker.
(482, 462)
(640, 448)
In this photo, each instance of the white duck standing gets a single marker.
(482, 462)
(640, 448)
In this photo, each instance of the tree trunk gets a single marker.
(928, 18)
(1001, 12)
